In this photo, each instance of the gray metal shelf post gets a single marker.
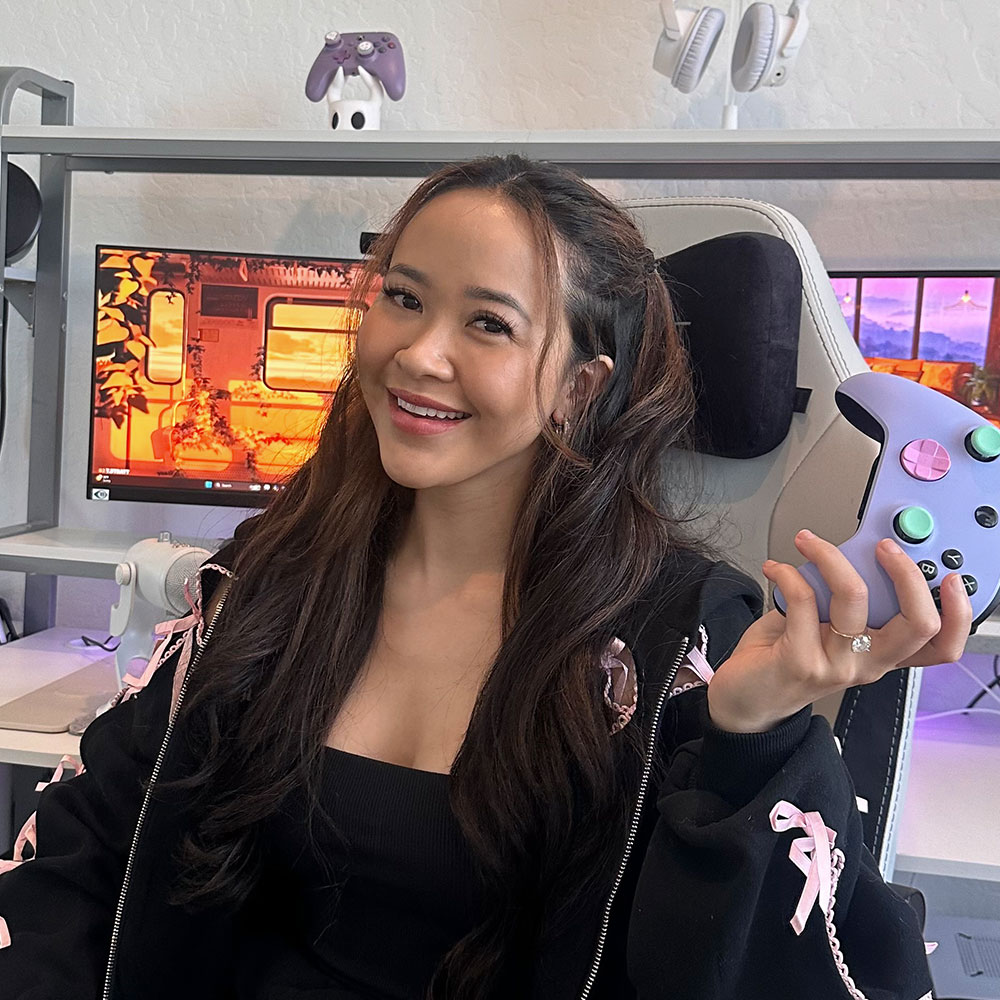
(42, 302)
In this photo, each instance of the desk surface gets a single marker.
(949, 824)
(36, 749)
(29, 664)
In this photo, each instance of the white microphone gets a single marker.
(151, 578)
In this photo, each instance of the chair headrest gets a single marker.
(739, 297)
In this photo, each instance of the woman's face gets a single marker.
(458, 327)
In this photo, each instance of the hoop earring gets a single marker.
(564, 429)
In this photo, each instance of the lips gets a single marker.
(425, 401)
(411, 423)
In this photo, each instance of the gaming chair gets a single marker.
(769, 346)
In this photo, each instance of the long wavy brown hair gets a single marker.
(594, 528)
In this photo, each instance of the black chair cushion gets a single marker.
(740, 298)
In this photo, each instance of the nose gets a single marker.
(428, 352)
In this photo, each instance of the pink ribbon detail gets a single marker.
(620, 686)
(700, 665)
(26, 836)
(29, 832)
(191, 625)
(811, 855)
(58, 773)
(4, 934)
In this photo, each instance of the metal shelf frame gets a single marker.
(41, 299)
(64, 149)
(924, 154)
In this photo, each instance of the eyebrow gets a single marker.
(471, 291)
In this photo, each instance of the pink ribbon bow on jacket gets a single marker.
(812, 855)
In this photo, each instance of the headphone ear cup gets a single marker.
(24, 213)
(697, 47)
(753, 52)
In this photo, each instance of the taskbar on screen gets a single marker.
(158, 489)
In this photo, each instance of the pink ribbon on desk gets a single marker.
(811, 855)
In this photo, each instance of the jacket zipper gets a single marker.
(113, 953)
(647, 767)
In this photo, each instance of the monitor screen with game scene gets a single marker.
(212, 371)
(937, 327)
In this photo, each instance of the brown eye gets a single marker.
(402, 298)
(494, 325)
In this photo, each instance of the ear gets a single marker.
(335, 92)
(376, 93)
(584, 384)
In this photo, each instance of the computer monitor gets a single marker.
(212, 371)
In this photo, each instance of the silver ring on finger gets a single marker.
(860, 643)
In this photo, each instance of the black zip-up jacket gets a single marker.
(699, 907)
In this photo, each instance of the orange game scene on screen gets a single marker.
(212, 370)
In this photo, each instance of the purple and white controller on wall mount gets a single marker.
(375, 56)
(934, 488)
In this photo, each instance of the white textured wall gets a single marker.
(472, 64)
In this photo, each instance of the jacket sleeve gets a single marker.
(756, 882)
(58, 906)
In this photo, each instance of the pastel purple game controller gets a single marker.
(934, 489)
(379, 52)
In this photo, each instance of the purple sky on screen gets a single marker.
(955, 314)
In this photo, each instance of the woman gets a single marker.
(440, 729)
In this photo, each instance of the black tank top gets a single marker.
(366, 915)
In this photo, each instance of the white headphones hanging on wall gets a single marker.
(767, 45)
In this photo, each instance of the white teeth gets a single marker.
(424, 411)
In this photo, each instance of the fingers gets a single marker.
(848, 591)
(801, 617)
(924, 636)
(918, 636)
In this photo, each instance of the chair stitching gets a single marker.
(892, 747)
(850, 717)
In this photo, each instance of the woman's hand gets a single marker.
(785, 662)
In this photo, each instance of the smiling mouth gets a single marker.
(427, 413)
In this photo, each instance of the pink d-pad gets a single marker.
(926, 459)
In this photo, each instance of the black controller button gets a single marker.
(952, 558)
(936, 594)
(929, 568)
(986, 516)
(971, 584)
